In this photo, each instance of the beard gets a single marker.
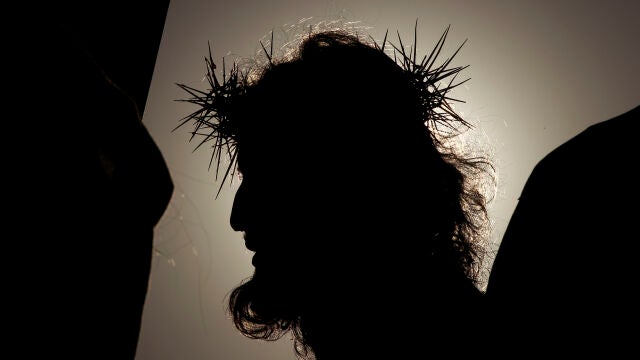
(268, 304)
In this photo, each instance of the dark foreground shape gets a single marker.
(91, 184)
(565, 277)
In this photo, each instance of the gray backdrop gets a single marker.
(541, 71)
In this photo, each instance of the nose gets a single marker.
(238, 217)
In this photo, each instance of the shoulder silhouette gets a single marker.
(565, 273)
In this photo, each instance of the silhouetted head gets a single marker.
(350, 201)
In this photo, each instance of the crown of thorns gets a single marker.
(213, 119)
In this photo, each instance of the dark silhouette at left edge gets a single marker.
(90, 182)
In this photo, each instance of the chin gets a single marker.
(270, 294)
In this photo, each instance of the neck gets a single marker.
(402, 324)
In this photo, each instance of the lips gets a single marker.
(266, 252)
(250, 245)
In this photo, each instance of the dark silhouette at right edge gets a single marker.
(564, 278)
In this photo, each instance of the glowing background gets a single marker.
(541, 71)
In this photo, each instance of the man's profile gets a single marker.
(368, 229)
